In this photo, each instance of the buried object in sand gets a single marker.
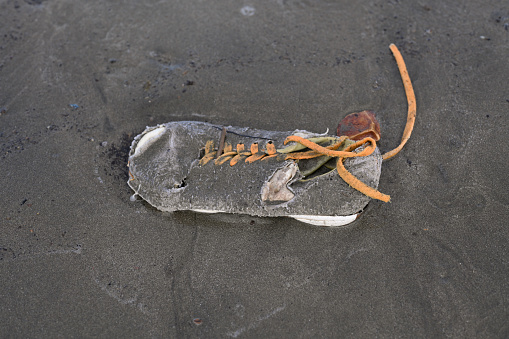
(315, 178)
(195, 166)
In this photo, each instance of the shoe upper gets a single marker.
(165, 171)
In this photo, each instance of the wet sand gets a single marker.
(79, 79)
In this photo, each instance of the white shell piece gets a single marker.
(323, 220)
(148, 139)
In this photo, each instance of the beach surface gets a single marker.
(80, 79)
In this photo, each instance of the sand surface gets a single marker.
(79, 79)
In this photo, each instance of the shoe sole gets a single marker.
(317, 220)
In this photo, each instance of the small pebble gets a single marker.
(247, 11)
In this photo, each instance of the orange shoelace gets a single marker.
(226, 152)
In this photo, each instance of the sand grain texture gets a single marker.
(79, 79)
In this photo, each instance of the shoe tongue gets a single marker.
(360, 125)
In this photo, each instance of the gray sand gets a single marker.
(78, 258)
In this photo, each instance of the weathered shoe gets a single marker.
(195, 166)
(176, 166)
